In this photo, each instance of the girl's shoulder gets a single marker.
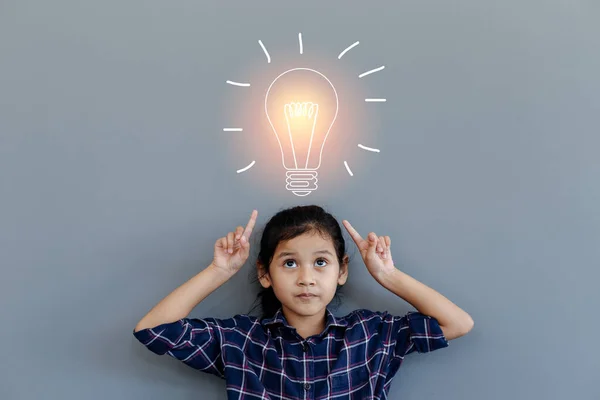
(374, 319)
(236, 321)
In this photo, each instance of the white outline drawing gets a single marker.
(301, 177)
(371, 71)
(237, 83)
(303, 180)
(348, 48)
(265, 50)
(246, 167)
(348, 168)
(368, 148)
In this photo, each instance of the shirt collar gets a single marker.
(279, 319)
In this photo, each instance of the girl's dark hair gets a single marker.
(286, 225)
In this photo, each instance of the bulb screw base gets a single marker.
(301, 182)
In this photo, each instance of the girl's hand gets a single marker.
(375, 252)
(231, 251)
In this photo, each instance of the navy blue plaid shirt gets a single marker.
(355, 357)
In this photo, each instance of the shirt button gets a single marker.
(304, 347)
(306, 386)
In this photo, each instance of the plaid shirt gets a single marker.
(355, 357)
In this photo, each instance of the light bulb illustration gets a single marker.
(301, 105)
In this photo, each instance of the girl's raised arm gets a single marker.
(231, 252)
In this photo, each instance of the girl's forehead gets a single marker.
(307, 242)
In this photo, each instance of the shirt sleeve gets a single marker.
(412, 332)
(195, 342)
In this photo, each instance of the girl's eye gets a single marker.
(321, 262)
(289, 264)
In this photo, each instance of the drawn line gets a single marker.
(375, 100)
(300, 41)
(237, 83)
(348, 168)
(371, 71)
(368, 148)
(246, 168)
(348, 48)
(232, 129)
(265, 50)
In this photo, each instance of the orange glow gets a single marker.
(246, 108)
(301, 105)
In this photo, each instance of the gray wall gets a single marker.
(116, 179)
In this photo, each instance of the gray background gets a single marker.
(116, 179)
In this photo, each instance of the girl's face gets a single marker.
(304, 274)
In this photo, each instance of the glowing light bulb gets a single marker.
(301, 105)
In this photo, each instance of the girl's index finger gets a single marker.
(353, 233)
(251, 224)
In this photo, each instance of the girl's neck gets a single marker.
(306, 326)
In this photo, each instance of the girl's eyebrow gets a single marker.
(293, 253)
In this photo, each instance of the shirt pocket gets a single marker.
(356, 378)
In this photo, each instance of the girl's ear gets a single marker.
(343, 275)
(263, 275)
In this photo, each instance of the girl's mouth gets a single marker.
(306, 295)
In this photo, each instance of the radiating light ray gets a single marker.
(300, 41)
(368, 148)
(237, 83)
(375, 100)
(371, 71)
(348, 168)
(246, 167)
(265, 50)
(232, 129)
(347, 48)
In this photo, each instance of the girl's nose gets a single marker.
(306, 276)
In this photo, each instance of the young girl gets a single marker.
(299, 349)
